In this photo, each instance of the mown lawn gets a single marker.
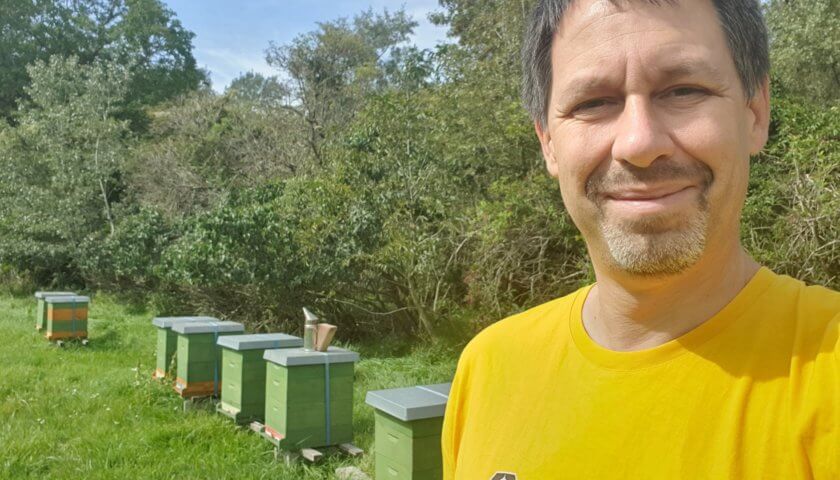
(95, 412)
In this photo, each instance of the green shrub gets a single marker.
(792, 214)
(128, 258)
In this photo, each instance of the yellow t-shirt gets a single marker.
(752, 393)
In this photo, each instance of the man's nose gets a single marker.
(640, 138)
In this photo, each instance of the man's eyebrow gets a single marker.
(689, 68)
(585, 83)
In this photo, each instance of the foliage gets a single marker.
(262, 254)
(258, 90)
(805, 41)
(330, 71)
(61, 166)
(209, 144)
(143, 35)
(392, 189)
(128, 258)
(792, 216)
(526, 251)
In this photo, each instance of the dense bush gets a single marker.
(792, 215)
(128, 258)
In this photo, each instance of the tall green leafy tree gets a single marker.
(805, 47)
(141, 33)
(259, 90)
(210, 144)
(61, 167)
(330, 71)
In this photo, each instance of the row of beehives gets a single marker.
(62, 316)
(301, 398)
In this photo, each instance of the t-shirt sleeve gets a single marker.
(456, 409)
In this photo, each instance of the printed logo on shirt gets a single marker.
(503, 476)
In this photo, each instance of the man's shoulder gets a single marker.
(537, 325)
(814, 303)
(820, 299)
(815, 310)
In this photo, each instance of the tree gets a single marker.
(141, 33)
(805, 47)
(331, 70)
(210, 144)
(261, 91)
(62, 166)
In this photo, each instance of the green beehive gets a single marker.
(309, 397)
(408, 424)
(167, 340)
(67, 317)
(243, 373)
(41, 313)
(199, 358)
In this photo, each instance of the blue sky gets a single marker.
(231, 36)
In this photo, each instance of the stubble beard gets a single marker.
(641, 248)
(661, 245)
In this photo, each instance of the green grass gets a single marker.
(95, 412)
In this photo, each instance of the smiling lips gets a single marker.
(652, 200)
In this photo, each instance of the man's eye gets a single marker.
(590, 105)
(685, 91)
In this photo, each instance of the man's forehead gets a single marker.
(585, 18)
(673, 41)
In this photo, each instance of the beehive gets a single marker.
(67, 317)
(309, 397)
(167, 340)
(243, 373)
(199, 372)
(41, 311)
(408, 423)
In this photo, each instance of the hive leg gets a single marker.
(351, 449)
(311, 455)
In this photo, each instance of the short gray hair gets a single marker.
(741, 20)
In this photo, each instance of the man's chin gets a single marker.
(653, 252)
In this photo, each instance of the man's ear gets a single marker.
(547, 149)
(759, 104)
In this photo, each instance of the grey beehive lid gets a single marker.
(292, 357)
(67, 299)
(167, 322)
(411, 403)
(40, 295)
(188, 328)
(259, 341)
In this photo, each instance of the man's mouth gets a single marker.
(652, 200)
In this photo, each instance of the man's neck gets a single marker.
(625, 313)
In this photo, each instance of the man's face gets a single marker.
(649, 133)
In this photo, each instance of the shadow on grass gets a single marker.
(105, 340)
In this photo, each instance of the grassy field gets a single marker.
(94, 412)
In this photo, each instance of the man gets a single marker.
(686, 359)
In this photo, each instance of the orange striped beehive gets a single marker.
(67, 317)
